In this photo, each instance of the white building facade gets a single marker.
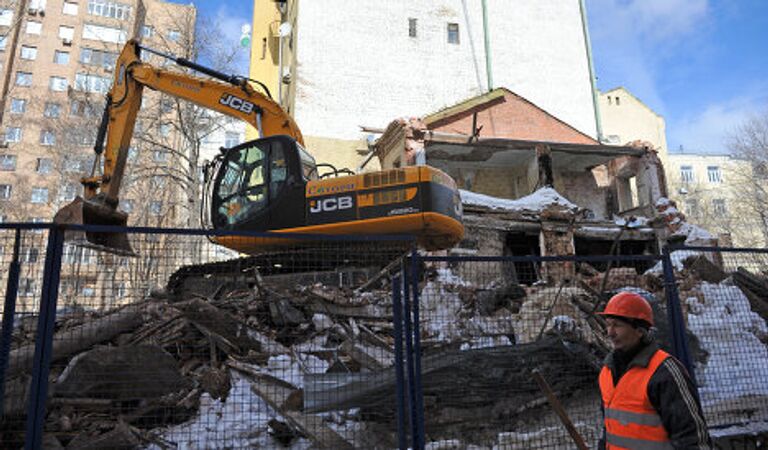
(366, 62)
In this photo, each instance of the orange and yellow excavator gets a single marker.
(268, 184)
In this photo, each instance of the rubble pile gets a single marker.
(312, 366)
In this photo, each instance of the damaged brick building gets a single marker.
(533, 185)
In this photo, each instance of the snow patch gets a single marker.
(725, 322)
(535, 202)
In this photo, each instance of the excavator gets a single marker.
(270, 184)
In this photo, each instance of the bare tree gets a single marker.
(750, 143)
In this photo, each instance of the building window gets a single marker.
(28, 52)
(70, 9)
(37, 5)
(58, 84)
(13, 134)
(174, 35)
(718, 207)
(8, 162)
(29, 255)
(157, 182)
(686, 174)
(5, 191)
(44, 166)
(160, 156)
(6, 17)
(27, 287)
(66, 33)
(692, 207)
(714, 175)
(104, 34)
(231, 139)
(39, 195)
(92, 83)
(34, 27)
(453, 33)
(109, 9)
(60, 57)
(147, 31)
(23, 79)
(156, 207)
(412, 27)
(52, 110)
(18, 105)
(68, 192)
(100, 58)
(618, 101)
(126, 205)
(47, 137)
(165, 129)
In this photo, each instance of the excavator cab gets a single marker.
(259, 185)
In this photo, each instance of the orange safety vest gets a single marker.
(630, 420)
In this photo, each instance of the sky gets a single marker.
(702, 64)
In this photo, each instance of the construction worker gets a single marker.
(649, 400)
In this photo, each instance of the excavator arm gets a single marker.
(230, 95)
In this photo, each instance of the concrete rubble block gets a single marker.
(121, 373)
(545, 305)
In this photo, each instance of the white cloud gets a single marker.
(707, 130)
(658, 20)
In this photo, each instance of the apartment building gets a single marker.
(720, 193)
(57, 61)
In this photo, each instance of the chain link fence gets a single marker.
(351, 342)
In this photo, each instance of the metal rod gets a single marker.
(559, 410)
(38, 389)
(409, 360)
(591, 65)
(414, 282)
(9, 313)
(397, 317)
(675, 317)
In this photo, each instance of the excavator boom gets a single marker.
(268, 184)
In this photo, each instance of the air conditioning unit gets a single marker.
(67, 42)
(32, 11)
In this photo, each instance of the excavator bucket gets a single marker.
(90, 212)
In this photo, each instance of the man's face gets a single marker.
(623, 336)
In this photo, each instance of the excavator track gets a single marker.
(348, 265)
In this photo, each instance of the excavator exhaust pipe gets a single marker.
(94, 212)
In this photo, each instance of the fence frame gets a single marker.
(405, 302)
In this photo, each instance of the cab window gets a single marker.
(241, 191)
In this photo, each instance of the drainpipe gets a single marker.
(487, 36)
(595, 104)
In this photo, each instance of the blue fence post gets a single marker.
(397, 317)
(419, 397)
(409, 359)
(9, 313)
(675, 316)
(38, 390)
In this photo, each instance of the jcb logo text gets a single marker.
(237, 103)
(330, 204)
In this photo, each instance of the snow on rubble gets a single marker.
(732, 381)
(537, 201)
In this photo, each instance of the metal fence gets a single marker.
(340, 342)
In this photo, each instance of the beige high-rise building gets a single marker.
(57, 61)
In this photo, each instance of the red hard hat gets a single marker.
(630, 306)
